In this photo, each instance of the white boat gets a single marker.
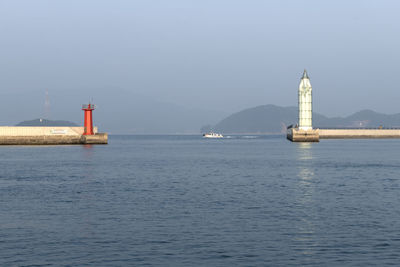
(213, 135)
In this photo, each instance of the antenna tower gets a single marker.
(47, 106)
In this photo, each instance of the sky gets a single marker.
(222, 55)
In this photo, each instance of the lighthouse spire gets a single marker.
(305, 75)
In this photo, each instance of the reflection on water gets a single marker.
(305, 228)
(88, 160)
(305, 172)
(148, 200)
(87, 151)
(305, 175)
(305, 168)
(304, 151)
(305, 157)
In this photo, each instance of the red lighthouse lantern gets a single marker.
(88, 120)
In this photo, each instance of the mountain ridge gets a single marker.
(272, 119)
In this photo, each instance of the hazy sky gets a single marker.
(213, 54)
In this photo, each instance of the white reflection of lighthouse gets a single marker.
(304, 239)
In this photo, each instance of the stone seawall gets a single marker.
(358, 133)
(49, 136)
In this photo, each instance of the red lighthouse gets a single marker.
(88, 122)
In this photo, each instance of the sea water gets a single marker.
(188, 201)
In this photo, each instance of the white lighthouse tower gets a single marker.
(305, 103)
(304, 132)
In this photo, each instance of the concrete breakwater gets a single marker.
(358, 133)
(297, 135)
(49, 136)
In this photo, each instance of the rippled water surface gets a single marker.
(186, 201)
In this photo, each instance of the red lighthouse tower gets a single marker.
(88, 122)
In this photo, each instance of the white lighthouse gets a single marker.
(304, 132)
(305, 103)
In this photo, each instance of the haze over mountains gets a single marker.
(196, 62)
(44, 122)
(125, 113)
(271, 119)
(118, 111)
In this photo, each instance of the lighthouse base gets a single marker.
(99, 138)
(299, 135)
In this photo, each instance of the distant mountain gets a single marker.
(118, 111)
(43, 122)
(362, 119)
(271, 119)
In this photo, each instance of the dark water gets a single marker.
(185, 201)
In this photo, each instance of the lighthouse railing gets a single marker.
(88, 106)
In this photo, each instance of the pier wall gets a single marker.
(358, 133)
(49, 136)
(41, 131)
(297, 135)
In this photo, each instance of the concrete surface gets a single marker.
(49, 136)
